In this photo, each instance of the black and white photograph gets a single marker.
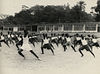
(49, 36)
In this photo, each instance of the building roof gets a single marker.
(82, 23)
(67, 23)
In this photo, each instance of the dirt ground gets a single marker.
(68, 62)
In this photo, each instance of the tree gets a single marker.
(78, 14)
(51, 14)
(97, 9)
(23, 17)
(48, 14)
(81, 5)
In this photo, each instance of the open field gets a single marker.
(69, 62)
(62, 62)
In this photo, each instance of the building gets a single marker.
(70, 27)
(60, 27)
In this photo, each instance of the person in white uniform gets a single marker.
(26, 46)
(85, 46)
(69, 42)
(64, 43)
(46, 45)
(10, 38)
(54, 40)
(19, 42)
(2, 39)
(77, 40)
(94, 42)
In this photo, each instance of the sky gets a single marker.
(11, 7)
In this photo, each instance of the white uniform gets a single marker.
(16, 35)
(68, 39)
(34, 36)
(8, 36)
(94, 40)
(19, 38)
(54, 38)
(62, 38)
(78, 38)
(59, 36)
(46, 41)
(26, 46)
(84, 42)
(12, 35)
(2, 37)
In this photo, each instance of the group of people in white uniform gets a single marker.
(24, 42)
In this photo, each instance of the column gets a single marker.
(53, 28)
(62, 27)
(72, 28)
(96, 27)
(45, 28)
(84, 28)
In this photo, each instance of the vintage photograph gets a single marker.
(50, 36)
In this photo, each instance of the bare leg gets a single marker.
(52, 51)
(33, 44)
(73, 48)
(42, 50)
(6, 43)
(34, 54)
(81, 52)
(65, 48)
(17, 46)
(52, 46)
(11, 41)
(92, 53)
(20, 53)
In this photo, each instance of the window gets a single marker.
(78, 27)
(28, 28)
(21, 28)
(5, 28)
(15, 29)
(10, 29)
(49, 27)
(68, 27)
(41, 28)
(90, 27)
(58, 27)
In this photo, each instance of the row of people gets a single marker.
(23, 42)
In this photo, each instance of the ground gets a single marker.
(68, 62)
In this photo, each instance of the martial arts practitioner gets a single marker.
(26, 46)
(64, 43)
(3, 40)
(94, 42)
(19, 42)
(84, 45)
(54, 40)
(59, 39)
(10, 38)
(69, 42)
(33, 39)
(46, 45)
(77, 40)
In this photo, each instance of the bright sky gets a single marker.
(13, 6)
